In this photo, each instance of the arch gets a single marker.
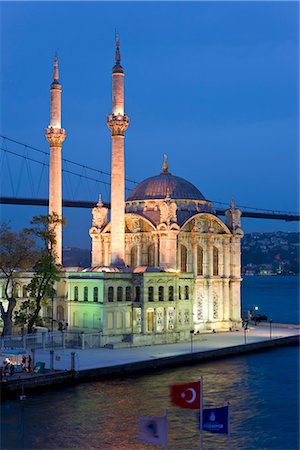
(60, 313)
(85, 294)
(119, 294)
(199, 260)
(110, 295)
(150, 294)
(215, 261)
(206, 216)
(24, 291)
(161, 293)
(95, 294)
(137, 293)
(75, 293)
(183, 258)
(133, 256)
(171, 293)
(128, 293)
(150, 252)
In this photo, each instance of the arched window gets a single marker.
(179, 292)
(161, 293)
(133, 256)
(183, 258)
(150, 294)
(25, 293)
(17, 290)
(137, 293)
(120, 293)
(199, 260)
(85, 294)
(186, 292)
(76, 294)
(151, 255)
(171, 293)
(60, 313)
(128, 293)
(95, 294)
(110, 294)
(215, 261)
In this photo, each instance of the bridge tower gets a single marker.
(118, 123)
(56, 136)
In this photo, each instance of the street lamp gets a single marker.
(245, 331)
(271, 328)
(192, 334)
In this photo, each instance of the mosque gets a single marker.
(163, 264)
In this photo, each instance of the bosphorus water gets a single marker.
(262, 388)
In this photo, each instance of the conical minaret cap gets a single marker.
(55, 72)
(117, 67)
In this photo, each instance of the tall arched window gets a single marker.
(120, 293)
(199, 260)
(150, 294)
(25, 293)
(171, 293)
(215, 261)
(85, 294)
(110, 294)
(183, 258)
(151, 255)
(60, 313)
(128, 294)
(137, 293)
(95, 294)
(161, 293)
(76, 294)
(133, 256)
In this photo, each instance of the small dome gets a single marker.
(165, 184)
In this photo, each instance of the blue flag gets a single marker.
(215, 420)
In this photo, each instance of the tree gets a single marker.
(17, 252)
(46, 271)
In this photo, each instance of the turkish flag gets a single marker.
(186, 395)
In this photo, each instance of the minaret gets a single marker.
(56, 136)
(117, 122)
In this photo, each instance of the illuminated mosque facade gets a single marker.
(163, 265)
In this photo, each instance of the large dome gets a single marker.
(160, 186)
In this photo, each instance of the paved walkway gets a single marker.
(104, 357)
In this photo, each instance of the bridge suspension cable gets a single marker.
(80, 175)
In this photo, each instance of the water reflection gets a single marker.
(104, 415)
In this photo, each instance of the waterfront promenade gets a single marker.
(201, 343)
(74, 365)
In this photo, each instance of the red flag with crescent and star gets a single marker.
(186, 395)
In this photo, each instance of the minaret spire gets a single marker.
(55, 68)
(117, 122)
(55, 136)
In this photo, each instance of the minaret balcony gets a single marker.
(117, 123)
(55, 136)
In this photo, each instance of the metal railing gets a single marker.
(51, 340)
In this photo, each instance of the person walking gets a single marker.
(29, 361)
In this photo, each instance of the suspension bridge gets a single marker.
(19, 161)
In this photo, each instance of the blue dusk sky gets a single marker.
(214, 85)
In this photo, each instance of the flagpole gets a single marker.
(228, 427)
(166, 425)
(201, 413)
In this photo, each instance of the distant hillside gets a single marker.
(262, 254)
(76, 257)
(270, 253)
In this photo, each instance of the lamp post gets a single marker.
(52, 300)
(192, 334)
(271, 328)
(245, 331)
